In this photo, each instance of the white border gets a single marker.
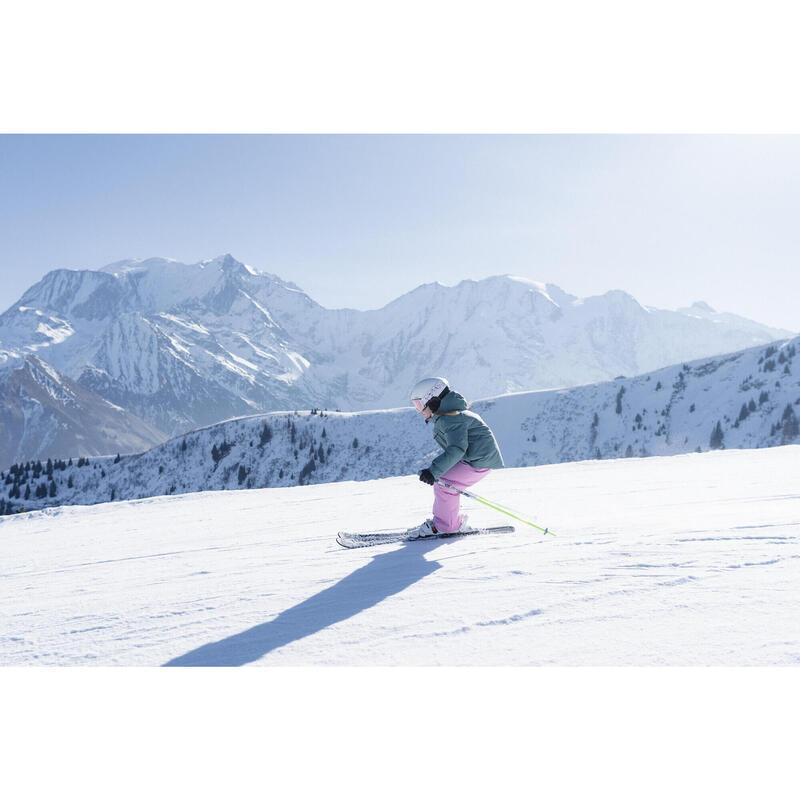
(432, 67)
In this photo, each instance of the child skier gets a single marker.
(470, 451)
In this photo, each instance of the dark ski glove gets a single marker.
(426, 476)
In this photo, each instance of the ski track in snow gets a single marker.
(686, 560)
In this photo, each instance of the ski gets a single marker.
(352, 540)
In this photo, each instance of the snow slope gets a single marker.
(687, 560)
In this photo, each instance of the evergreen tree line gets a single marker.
(21, 472)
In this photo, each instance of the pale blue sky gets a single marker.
(357, 220)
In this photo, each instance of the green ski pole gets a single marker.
(496, 506)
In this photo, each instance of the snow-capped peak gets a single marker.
(699, 307)
(129, 264)
(226, 263)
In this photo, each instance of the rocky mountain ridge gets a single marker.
(184, 346)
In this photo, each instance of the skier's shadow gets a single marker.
(386, 574)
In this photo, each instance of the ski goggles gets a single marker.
(418, 404)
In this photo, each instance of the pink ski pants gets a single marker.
(446, 501)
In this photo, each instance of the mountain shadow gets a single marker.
(385, 575)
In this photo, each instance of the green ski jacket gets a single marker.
(463, 436)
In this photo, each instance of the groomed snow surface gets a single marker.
(686, 560)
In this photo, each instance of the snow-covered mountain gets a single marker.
(748, 399)
(690, 560)
(44, 414)
(182, 346)
(179, 345)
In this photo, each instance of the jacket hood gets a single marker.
(452, 401)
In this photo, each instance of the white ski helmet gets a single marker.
(427, 389)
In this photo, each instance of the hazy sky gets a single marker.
(357, 220)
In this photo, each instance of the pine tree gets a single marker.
(53, 489)
(716, 441)
(307, 470)
(791, 427)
